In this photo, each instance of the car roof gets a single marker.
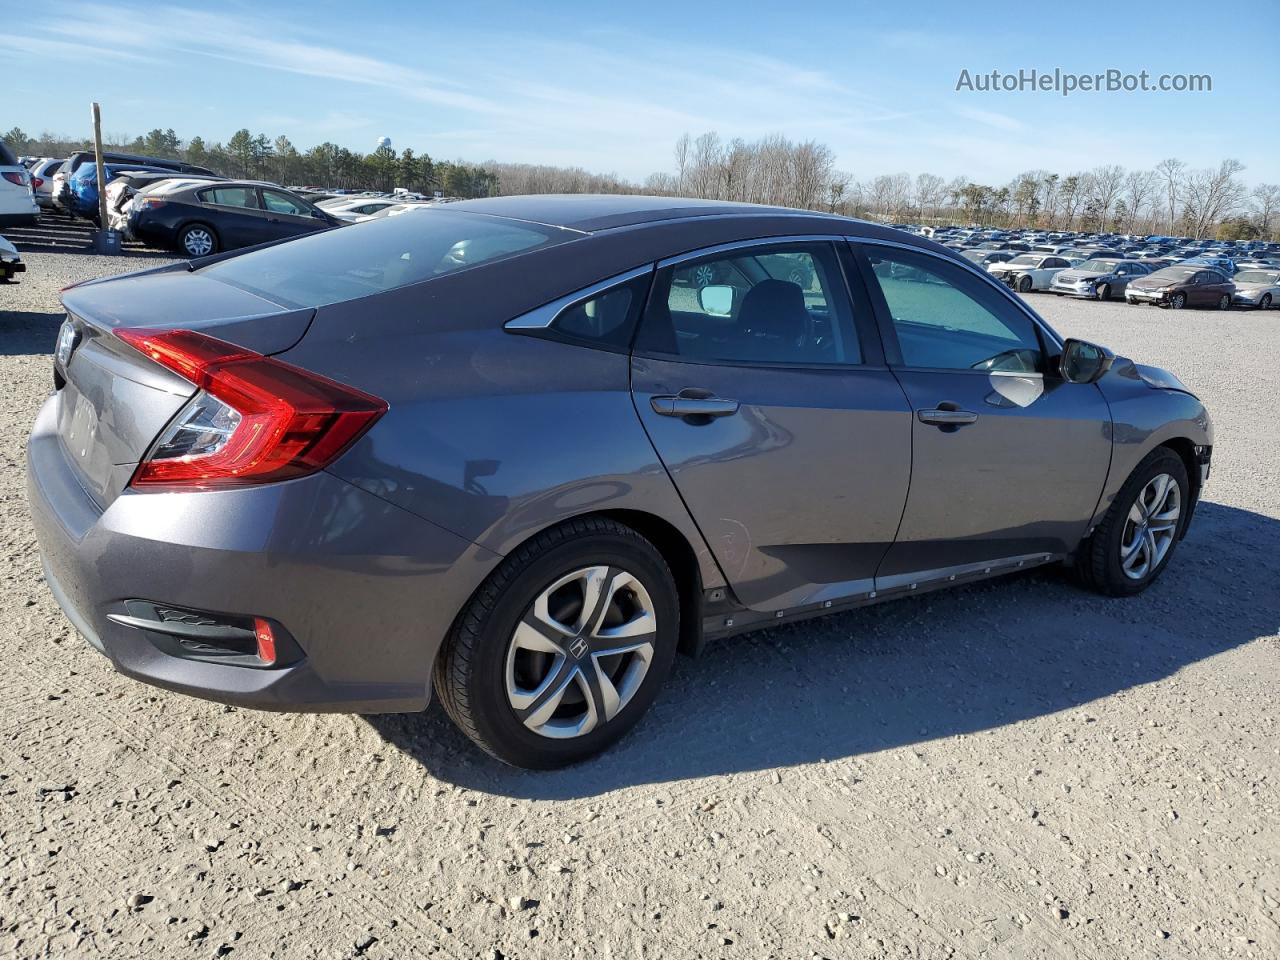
(592, 212)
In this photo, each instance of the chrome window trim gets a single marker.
(746, 245)
(965, 264)
(544, 316)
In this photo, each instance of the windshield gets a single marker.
(1258, 276)
(1024, 260)
(379, 255)
(978, 256)
(1174, 273)
(1098, 266)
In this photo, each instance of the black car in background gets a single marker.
(199, 218)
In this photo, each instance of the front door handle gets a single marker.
(680, 406)
(944, 417)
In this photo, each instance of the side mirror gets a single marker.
(716, 300)
(1084, 362)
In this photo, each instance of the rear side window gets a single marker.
(784, 304)
(606, 320)
(232, 197)
(379, 255)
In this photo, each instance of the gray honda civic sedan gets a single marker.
(526, 449)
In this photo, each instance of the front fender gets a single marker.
(1142, 418)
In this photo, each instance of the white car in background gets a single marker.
(1029, 271)
(17, 203)
(10, 262)
(353, 209)
(42, 172)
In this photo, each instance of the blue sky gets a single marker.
(610, 86)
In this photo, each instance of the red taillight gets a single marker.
(37, 183)
(153, 203)
(14, 178)
(266, 641)
(267, 420)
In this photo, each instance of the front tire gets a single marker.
(560, 652)
(1024, 285)
(1104, 292)
(1265, 302)
(1136, 539)
(1178, 301)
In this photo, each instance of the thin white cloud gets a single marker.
(989, 118)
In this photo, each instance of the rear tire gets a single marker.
(1114, 560)
(496, 685)
(198, 240)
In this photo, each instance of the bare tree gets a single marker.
(1103, 188)
(931, 193)
(1266, 202)
(1213, 195)
(1138, 188)
(682, 160)
(1171, 173)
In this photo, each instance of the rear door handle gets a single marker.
(693, 406)
(946, 418)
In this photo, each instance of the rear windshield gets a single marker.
(7, 159)
(355, 261)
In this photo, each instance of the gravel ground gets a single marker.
(1015, 769)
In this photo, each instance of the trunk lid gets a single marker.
(113, 401)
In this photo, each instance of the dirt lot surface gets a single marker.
(1016, 769)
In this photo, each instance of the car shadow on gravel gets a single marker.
(908, 672)
(28, 332)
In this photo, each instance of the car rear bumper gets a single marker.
(367, 591)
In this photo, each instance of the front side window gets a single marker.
(232, 197)
(946, 319)
(784, 304)
(278, 202)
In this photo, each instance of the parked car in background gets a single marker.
(1225, 265)
(83, 187)
(17, 203)
(1257, 288)
(129, 183)
(203, 218)
(1029, 271)
(10, 261)
(1182, 285)
(1100, 278)
(352, 210)
(42, 174)
(61, 194)
(984, 258)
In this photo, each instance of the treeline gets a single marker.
(1170, 198)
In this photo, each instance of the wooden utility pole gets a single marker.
(101, 242)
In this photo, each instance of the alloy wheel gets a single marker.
(1178, 301)
(198, 242)
(1265, 302)
(580, 652)
(1150, 527)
